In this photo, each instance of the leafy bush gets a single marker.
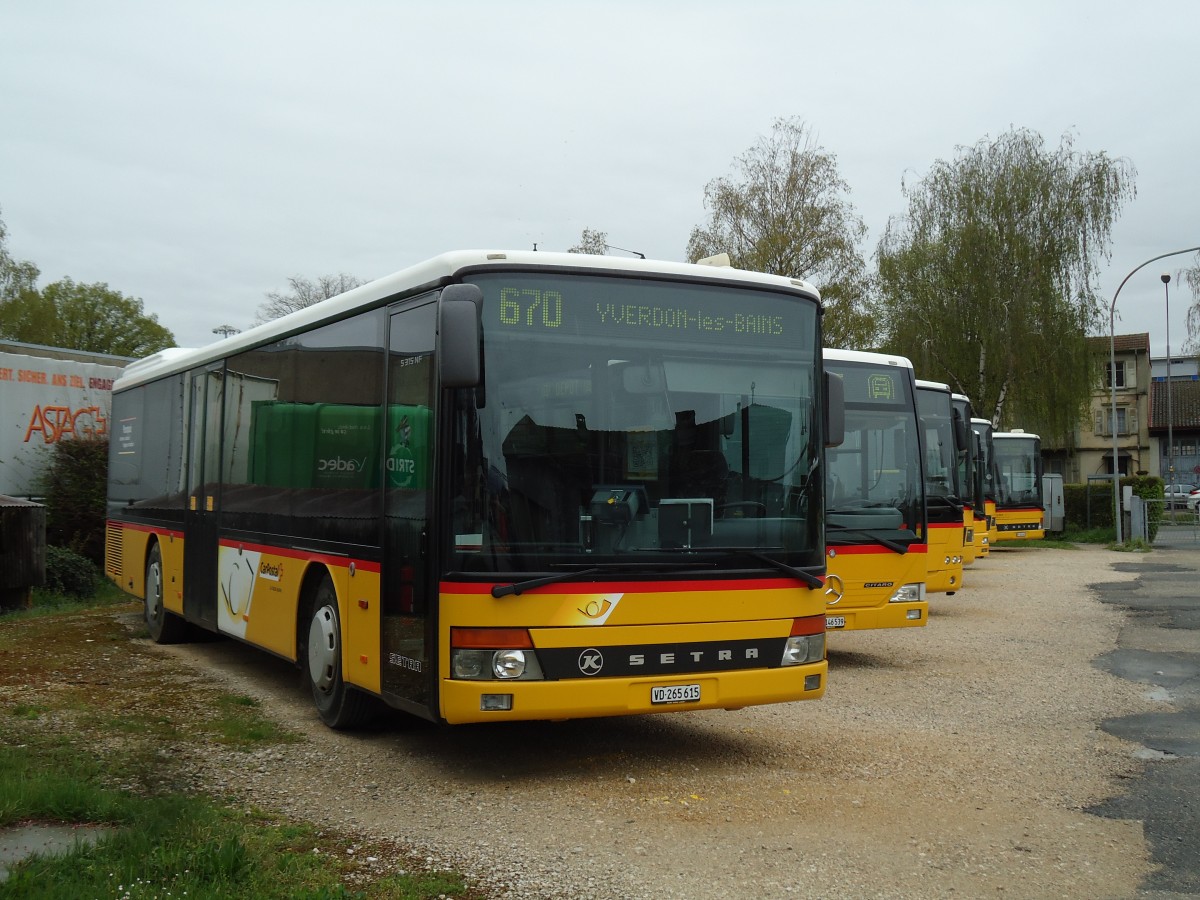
(69, 573)
(74, 488)
(1090, 506)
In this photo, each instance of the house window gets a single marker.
(1119, 370)
(1126, 420)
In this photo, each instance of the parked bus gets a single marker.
(987, 457)
(971, 485)
(874, 509)
(495, 486)
(1019, 510)
(942, 438)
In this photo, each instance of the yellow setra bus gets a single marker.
(1020, 513)
(495, 486)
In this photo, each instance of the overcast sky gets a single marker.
(196, 155)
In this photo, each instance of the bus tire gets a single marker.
(164, 626)
(338, 704)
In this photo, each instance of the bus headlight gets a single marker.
(909, 593)
(802, 649)
(508, 663)
(487, 665)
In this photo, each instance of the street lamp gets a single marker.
(1112, 381)
(1166, 280)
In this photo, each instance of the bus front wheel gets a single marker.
(338, 704)
(165, 627)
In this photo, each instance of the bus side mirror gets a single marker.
(835, 410)
(459, 311)
(962, 441)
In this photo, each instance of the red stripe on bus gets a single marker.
(305, 555)
(858, 549)
(149, 529)
(628, 587)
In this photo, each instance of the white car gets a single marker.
(1177, 495)
(1193, 500)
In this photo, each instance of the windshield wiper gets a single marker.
(799, 574)
(894, 546)
(503, 590)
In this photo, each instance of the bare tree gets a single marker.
(786, 211)
(304, 293)
(593, 242)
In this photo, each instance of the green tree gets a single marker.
(74, 487)
(17, 277)
(90, 317)
(786, 210)
(303, 293)
(987, 282)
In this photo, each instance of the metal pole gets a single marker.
(1112, 380)
(1166, 280)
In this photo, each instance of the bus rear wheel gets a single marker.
(338, 704)
(164, 626)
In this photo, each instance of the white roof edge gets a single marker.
(430, 273)
(1015, 434)
(933, 385)
(866, 356)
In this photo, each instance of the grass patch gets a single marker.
(238, 722)
(49, 603)
(98, 727)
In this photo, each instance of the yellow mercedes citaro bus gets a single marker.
(943, 437)
(1020, 513)
(495, 486)
(875, 499)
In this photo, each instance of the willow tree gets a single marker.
(988, 282)
(1191, 276)
(786, 211)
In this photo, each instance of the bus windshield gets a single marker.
(941, 454)
(874, 477)
(1018, 463)
(628, 421)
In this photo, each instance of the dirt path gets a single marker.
(953, 760)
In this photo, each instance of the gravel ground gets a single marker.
(953, 760)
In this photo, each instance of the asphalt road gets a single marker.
(1160, 648)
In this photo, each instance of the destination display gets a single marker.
(643, 310)
(871, 384)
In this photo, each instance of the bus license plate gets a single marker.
(675, 693)
(835, 621)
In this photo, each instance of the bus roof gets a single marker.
(1016, 433)
(864, 356)
(933, 385)
(433, 273)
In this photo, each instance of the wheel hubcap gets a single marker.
(154, 594)
(323, 648)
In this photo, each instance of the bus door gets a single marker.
(200, 517)
(409, 676)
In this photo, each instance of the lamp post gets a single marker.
(1112, 380)
(1166, 280)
